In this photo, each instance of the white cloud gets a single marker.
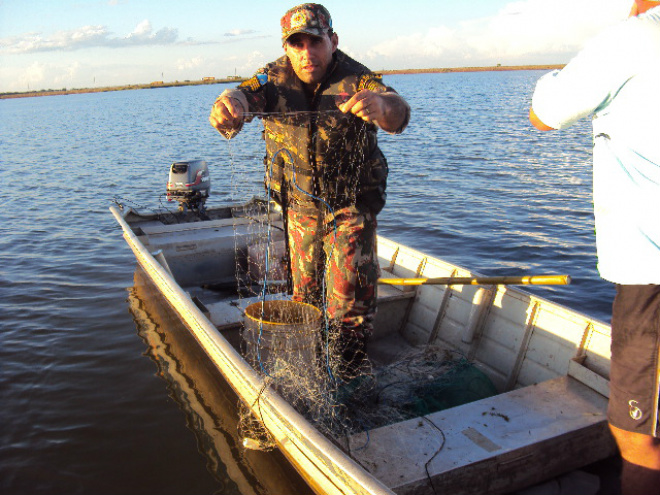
(143, 35)
(236, 64)
(67, 74)
(86, 37)
(34, 75)
(523, 32)
(246, 65)
(98, 36)
(142, 29)
(40, 75)
(239, 32)
(60, 40)
(187, 64)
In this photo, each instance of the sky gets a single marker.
(55, 44)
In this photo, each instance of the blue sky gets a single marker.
(52, 44)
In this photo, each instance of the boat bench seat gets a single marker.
(393, 305)
(387, 293)
(391, 301)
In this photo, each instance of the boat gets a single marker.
(548, 365)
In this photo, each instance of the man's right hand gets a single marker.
(227, 115)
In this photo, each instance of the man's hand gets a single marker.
(387, 110)
(227, 115)
(538, 123)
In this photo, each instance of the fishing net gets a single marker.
(417, 384)
(294, 347)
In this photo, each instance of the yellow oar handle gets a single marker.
(530, 280)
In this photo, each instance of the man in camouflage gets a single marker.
(321, 111)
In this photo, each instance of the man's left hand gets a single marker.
(387, 110)
(367, 105)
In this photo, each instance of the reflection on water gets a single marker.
(210, 406)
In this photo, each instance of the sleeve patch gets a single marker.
(372, 82)
(255, 82)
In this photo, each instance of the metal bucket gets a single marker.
(281, 335)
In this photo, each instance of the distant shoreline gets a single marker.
(211, 80)
(472, 69)
(104, 89)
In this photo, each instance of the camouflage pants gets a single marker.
(334, 266)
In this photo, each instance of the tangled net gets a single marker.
(298, 355)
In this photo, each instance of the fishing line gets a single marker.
(250, 426)
(167, 210)
(230, 153)
(329, 257)
(442, 446)
(265, 284)
(360, 135)
(305, 113)
(163, 213)
(318, 402)
(119, 201)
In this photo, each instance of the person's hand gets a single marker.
(367, 105)
(387, 110)
(227, 115)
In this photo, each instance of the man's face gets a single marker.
(310, 55)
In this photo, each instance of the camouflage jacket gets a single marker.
(315, 152)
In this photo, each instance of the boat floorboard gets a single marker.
(493, 445)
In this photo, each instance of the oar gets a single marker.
(527, 280)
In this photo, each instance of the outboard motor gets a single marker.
(189, 183)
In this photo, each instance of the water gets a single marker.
(84, 411)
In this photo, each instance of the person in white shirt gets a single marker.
(616, 78)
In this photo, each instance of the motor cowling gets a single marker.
(189, 183)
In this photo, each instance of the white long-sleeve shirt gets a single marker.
(616, 77)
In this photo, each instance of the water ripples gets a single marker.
(83, 411)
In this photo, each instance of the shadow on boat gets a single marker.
(209, 404)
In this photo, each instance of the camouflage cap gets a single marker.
(310, 18)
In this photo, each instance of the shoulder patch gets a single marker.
(372, 82)
(255, 82)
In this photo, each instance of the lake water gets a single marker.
(100, 390)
